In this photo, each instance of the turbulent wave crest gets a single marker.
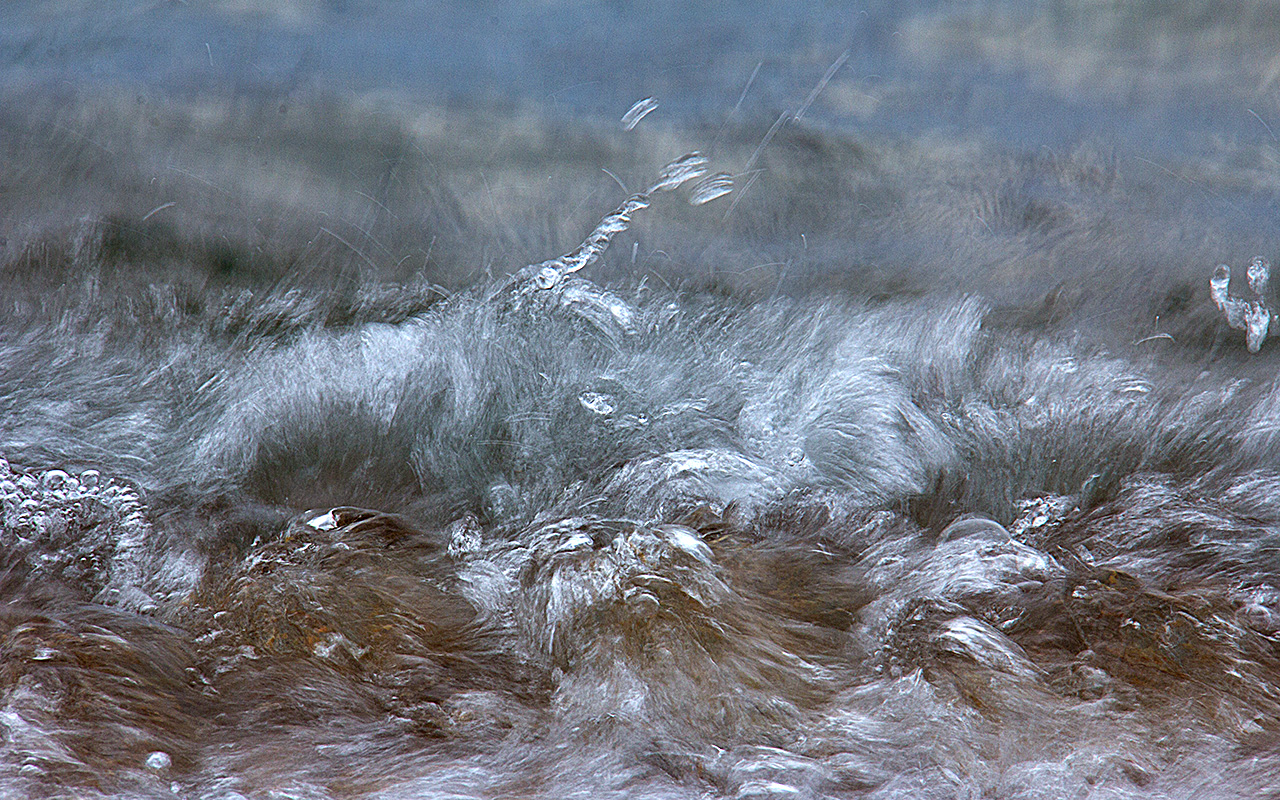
(548, 538)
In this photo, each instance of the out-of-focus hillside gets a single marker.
(1084, 165)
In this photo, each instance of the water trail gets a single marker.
(637, 112)
(711, 187)
(550, 274)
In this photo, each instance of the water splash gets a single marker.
(637, 112)
(679, 172)
(551, 274)
(598, 403)
(1252, 315)
(79, 529)
(710, 188)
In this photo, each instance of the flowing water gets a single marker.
(559, 399)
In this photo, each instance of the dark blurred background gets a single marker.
(1082, 165)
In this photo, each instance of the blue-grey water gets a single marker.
(1152, 78)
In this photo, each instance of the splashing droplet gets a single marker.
(1253, 316)
(638, 112)
(680, 171)
(711, 187)
(1257, 320)
(1259, 274)
(1219, 284)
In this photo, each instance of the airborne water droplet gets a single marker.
(1259, 274)
(1219, 285)
(711, 187)
(638, 112)
(682, 170)
(616, 224)
(1257, 320)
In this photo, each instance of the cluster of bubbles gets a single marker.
(82, 530)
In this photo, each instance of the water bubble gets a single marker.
(597, 403)
(325, 522)
(90, 479)
(547, 277)
(501, 501)
(969, 637)
(325, 649)
(1259, 618)
(159, 761)
(54, 479)
(1135, 385)
(609, 313)
(980, 528)
(615, 224)
(642, 602)
(1219, 283)
(1250, 315)
(632, 422)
